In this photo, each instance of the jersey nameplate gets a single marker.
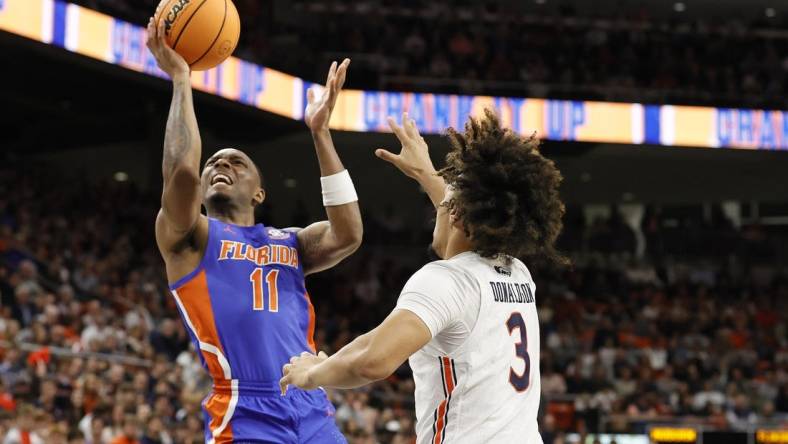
(264, 255)
(508, 292)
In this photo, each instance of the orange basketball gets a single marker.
(204, 32)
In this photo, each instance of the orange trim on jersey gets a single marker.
(217, 406)
(447, 374)
(440, 425)
(197, 303)
(214, 367)
(310, 329)
(441, 413)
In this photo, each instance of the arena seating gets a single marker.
(92, 347)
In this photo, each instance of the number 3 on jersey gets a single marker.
(257, 290)
(520, 382)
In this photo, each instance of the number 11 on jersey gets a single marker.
(257, 290)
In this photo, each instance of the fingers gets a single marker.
(388, 156)
(152, 34)
(322, 355)
(410, 126)
(331, 90)
(331, 72)
(286, 377)
(160, 33)
(397, 130)
(283, 383)
(408, 130)
(310, 95)
(342, 73)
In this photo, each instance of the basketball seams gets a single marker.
(200, 51)
(186, 25)
(237, 33)
(218, 34)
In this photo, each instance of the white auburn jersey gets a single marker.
(477, 380)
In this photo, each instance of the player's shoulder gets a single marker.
(457, 263)
(443, 276)
(518, 265)
(468, 263)
(475, 265)
(458, 268)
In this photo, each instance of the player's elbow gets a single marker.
(350, 240)
(354, 240)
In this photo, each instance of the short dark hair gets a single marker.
(505, 192)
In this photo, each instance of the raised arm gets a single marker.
(324, 244)
(180, 200)
(414, 159)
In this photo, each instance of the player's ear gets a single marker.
(259, 197)
(454, 220)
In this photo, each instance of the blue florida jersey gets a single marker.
(246, 308)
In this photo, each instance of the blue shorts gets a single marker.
(259, 414)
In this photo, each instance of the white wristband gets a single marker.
(338, 189)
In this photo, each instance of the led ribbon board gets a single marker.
(673, 435)
(766, 436)
(102, 37)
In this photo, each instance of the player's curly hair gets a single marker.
(505, 192)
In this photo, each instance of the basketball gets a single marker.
(204, 32)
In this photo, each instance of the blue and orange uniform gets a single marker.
(247, 311)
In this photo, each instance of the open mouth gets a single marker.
(221, 178)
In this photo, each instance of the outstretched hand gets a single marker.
(168, 60)
(318, 109)
(414, 157)
(297, 371)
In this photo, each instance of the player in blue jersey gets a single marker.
(240, 286)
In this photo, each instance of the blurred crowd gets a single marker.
(484, 47)
(703, 341)
(92, 349)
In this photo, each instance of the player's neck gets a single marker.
(458, 243)
(231, 215)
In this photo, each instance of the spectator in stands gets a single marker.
(25, 430)
(740, 415)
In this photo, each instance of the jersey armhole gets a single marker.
(200, 265)
(420, 318)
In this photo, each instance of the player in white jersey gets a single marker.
(468, 323)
